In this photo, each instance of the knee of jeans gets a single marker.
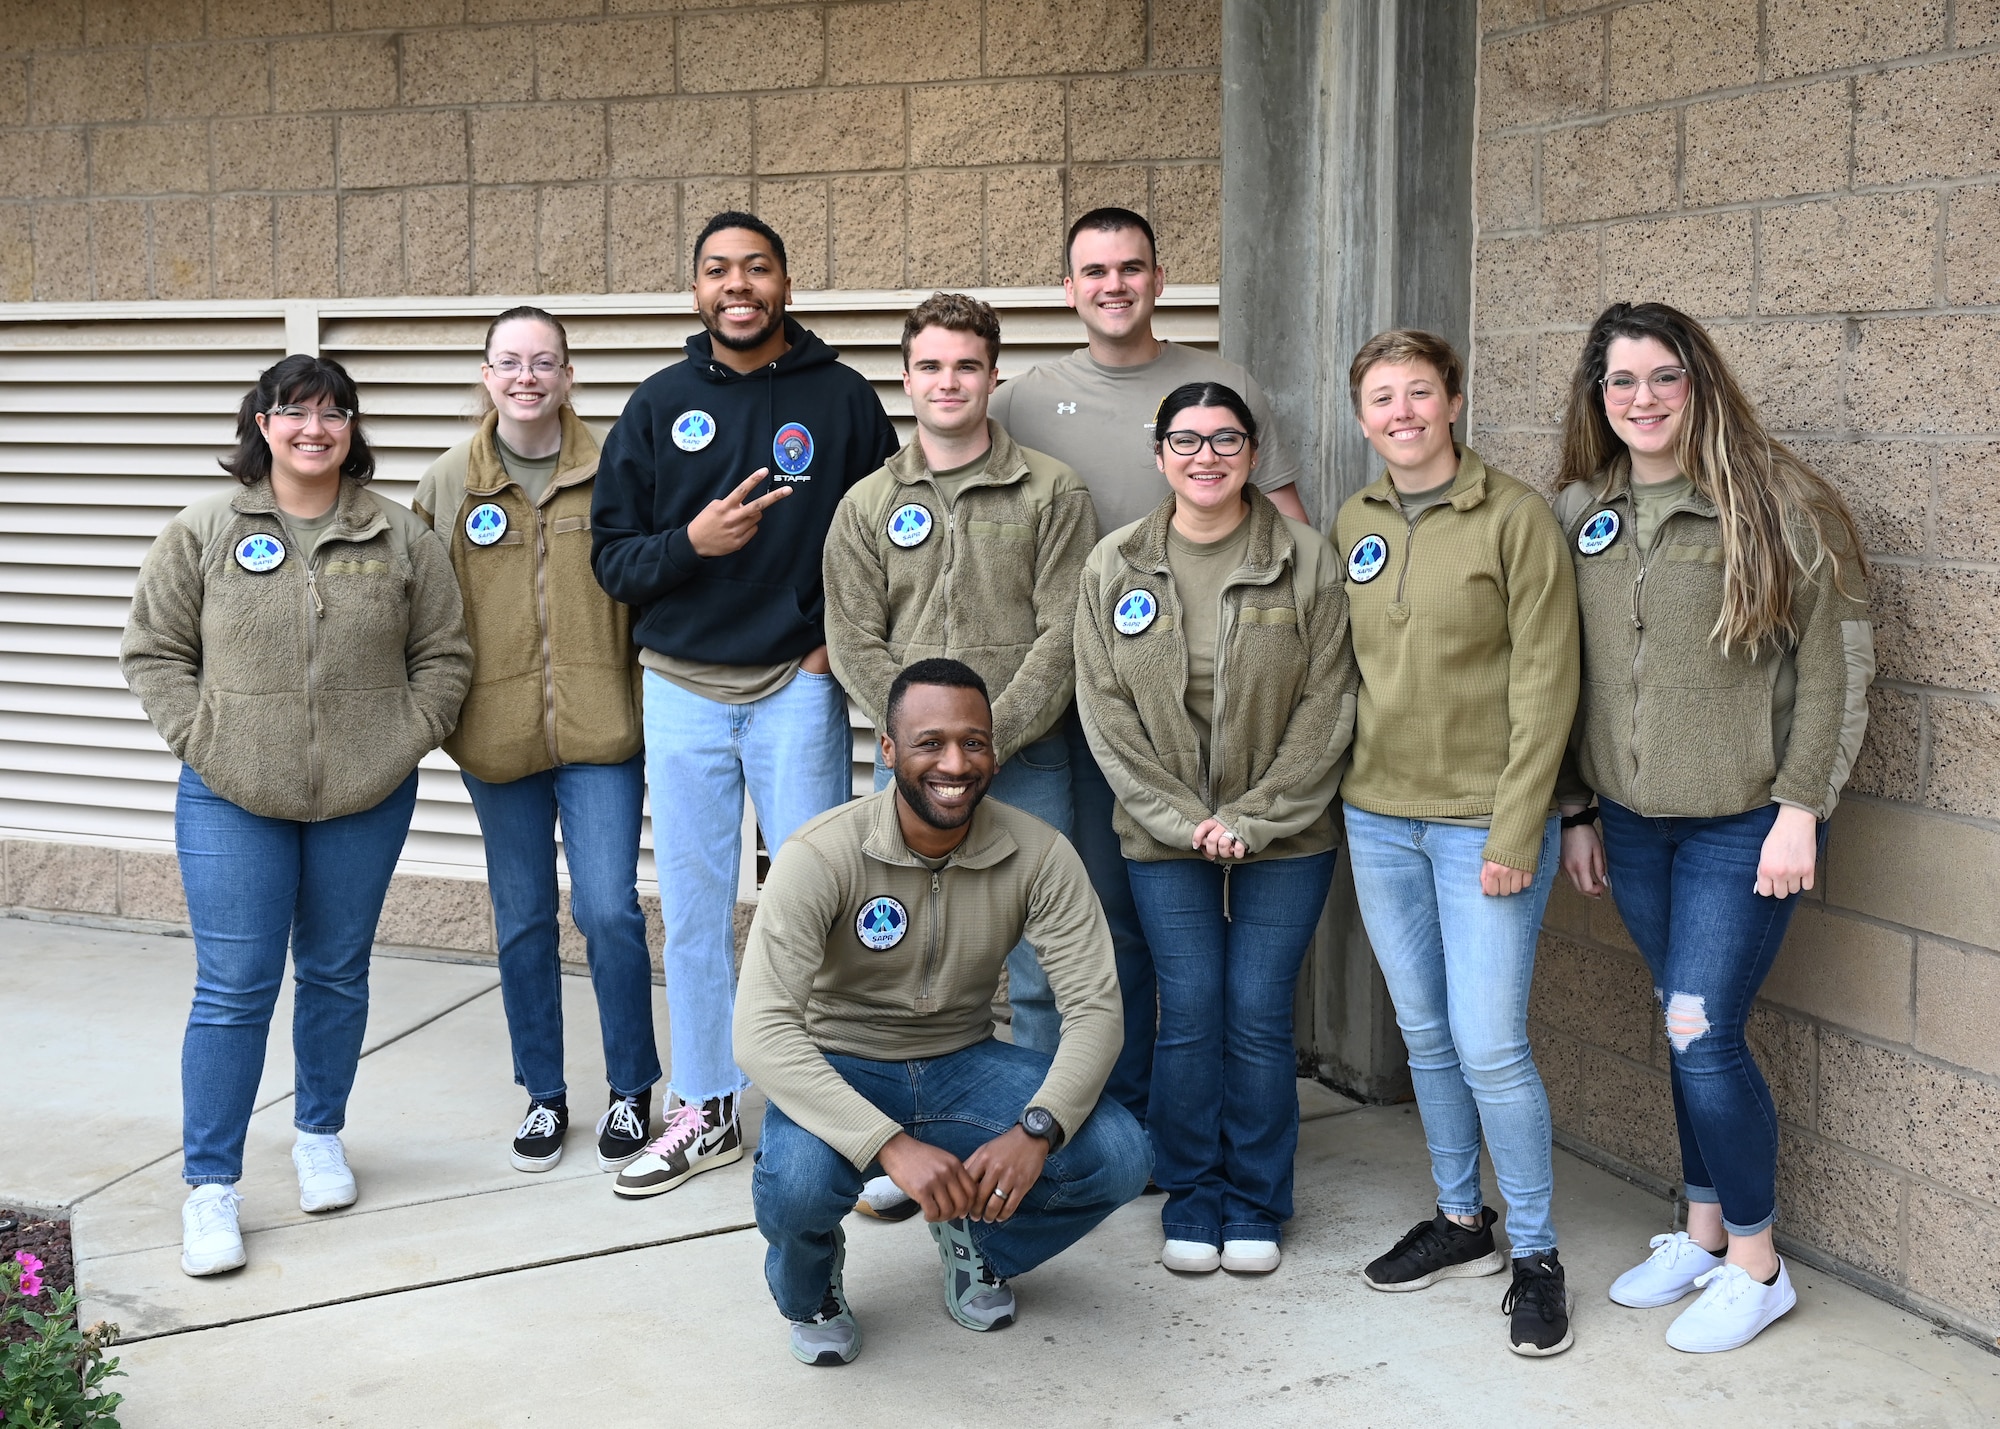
(1497, 1069)
(216, 1006)
(1687, 1018)
(1122, 1151)
(796, 1181)
(597, 913)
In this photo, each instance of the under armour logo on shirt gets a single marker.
(1065, 409)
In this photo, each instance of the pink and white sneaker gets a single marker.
(695, 1139)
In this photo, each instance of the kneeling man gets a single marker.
(865, 1013)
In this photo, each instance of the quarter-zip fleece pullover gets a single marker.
(923, 983)
(690, 435)
(990, 579)
(1284, 691)
(311, 689)
(1465, 632)
(1668, 725)
(554, 678)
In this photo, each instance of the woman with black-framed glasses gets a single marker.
(1214, 680)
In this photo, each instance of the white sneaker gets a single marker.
(1664, 1276)
(211, 1241)
(1250, 1257)
(882, 1199)
(1732, 1310)
(325, 1183)
(1193, 1257)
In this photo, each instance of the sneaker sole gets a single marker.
(1652, 1302)
(1490, 1264)
(318, 1208)
(1206, 1266)
(1569, 1333)
(1762, 1325)
(1259, 1266)
(188, 1267)
(618, 1163)
(534, 1163)
(828, 1358)
(707, 1163)
(901, 1211)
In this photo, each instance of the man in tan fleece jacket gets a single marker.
(864, 1012)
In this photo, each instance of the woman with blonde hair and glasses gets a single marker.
(1726, 661)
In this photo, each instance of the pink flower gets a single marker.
(31, 1280)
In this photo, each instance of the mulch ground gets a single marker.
(48, 1242)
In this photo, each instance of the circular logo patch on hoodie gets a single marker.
(260, 552)
(909, 525)
(1598, 532)
(881, 923)
(693, 430)
(1135, 611)
(485, 524)
(1366, 560)
(792, 448)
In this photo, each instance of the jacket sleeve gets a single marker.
(1305, 772)
(857, 611)
(1042, 687)
(799, 903)
(635, 563)
(1569, 504)
(1835, 663)
(1541, 678)
(1072, 942)
(160, 654)
(437, 654)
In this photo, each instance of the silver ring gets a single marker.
(1003, 1195)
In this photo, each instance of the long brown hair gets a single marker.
(1767, 502)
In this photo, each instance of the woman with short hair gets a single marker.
(1726, 660)
(298, 644)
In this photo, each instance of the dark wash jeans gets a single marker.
(959, 1102)
(1686, 889)
(256, 887)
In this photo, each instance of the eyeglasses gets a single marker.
(511, 367)
(1227, 442)
(334, 419)
(1669, 384)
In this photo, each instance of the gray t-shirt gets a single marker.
(1099, 420)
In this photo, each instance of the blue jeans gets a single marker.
(599, 805)
(1458, 965)
(1686, 889)
(1096, 842)
(1225, 1112)
(795, 753)
(255, 886)
(1035, 781)
(959, 1102)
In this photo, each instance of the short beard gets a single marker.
(745, 344)
(920, 803)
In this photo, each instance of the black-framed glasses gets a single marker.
(1227, 442)
(334, 419)
(1669, 384)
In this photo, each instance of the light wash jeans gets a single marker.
(599, 805)
(794, 752)
(1458, 965)
(1035, 781)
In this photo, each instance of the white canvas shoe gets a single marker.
(1664, 1276)
(1190, 1257)
(1732, 1311)
(325, 1183)
(1251, 1257)
(211, 1240)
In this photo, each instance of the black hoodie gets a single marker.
(690, 435)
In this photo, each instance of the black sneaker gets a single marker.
(538, 1144)
(1434, 1250)
(622, 1130)
(1538, 1301)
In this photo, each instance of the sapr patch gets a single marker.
(1598, 532)
(1135, 611)
(485, 524)
(792, 448)
(1366, 560)
(881, 923)
(693, 430)
(909, 525)
(260, 552)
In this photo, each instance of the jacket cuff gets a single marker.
(861, 1153)
(681, 553)
(1525, 860)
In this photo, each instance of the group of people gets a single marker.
(1130, 703)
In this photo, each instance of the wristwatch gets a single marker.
(1038, 1122)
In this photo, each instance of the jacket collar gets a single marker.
(485, 474)
(1005, 463)
(1270, 543)
(1615, 481)
(1468, 488)
(356, 515)
(985, 845)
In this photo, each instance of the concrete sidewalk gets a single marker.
(460, 1292)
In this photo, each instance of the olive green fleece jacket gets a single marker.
(1284, 692)
(302, 692)
(922, 984)
(992, 582)
(555, 676)
(1465, 632)
(1669, 725)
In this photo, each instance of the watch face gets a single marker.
(1037, 1121)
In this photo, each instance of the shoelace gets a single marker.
(215, 1213)
(1725, 1284)
(541, 1122)
(622, 1116)
(1426, 1239)
(1541, 1291)
(1669, 1249)
(323, 1158)
(687, 1122)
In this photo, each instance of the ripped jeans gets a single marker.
(1686, 889)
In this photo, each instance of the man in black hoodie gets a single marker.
(713, 498)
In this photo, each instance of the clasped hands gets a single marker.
(987, 1186)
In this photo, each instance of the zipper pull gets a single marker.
(312, 589)
(934, 880)
(1638, 621)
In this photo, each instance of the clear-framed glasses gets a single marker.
(334, 419)
(1669, 384)
(1227, 442)
(511, 367)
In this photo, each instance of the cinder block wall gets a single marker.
(1817, 180)
(235, 149)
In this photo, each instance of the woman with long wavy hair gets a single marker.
(1726, 661)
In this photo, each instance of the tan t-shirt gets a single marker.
(303, 533)
(1650, 502)
(953, 480)
(1199, 569)
(725, 684)
(532, 473)
(1099, 421)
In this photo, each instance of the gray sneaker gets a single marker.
(976, 1297)
(831, 1336)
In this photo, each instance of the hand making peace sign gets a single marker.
(727, 524)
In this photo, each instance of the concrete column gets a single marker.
(1347, 129)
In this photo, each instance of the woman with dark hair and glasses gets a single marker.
(1214, 680)
(550, 731)
(1726, 659)
(297, 643)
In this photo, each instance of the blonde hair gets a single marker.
(482, 400)
(1779, 518)
(1403, 346)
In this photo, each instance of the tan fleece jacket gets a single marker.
(308, 690)
(1284, 692)
(1465, 632)
(991, 581)
(555, 676)
(1668, 724)
(922, 982)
